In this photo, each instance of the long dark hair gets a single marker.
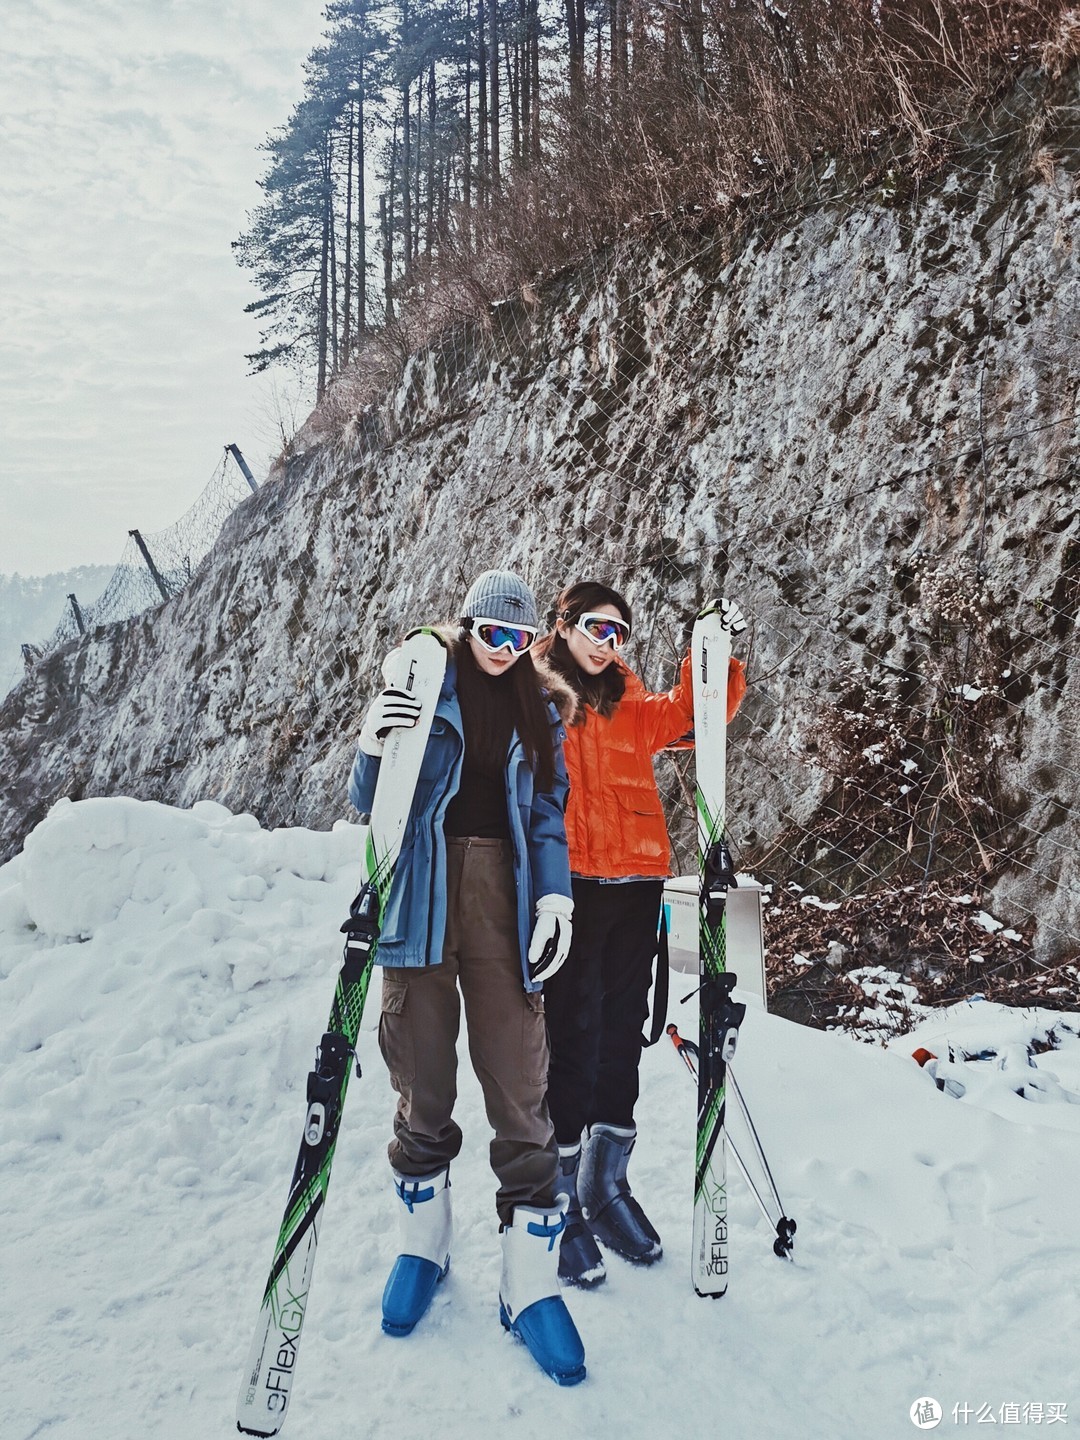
(525, 711)
(604, 691)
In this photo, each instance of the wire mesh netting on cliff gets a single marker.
(155, 567)
(916, 477)
(854, 412)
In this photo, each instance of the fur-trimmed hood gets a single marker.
(557, 690)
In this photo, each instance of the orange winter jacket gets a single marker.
(614, 819)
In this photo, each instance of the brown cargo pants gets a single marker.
(418, 1031)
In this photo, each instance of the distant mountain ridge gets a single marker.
(31, 607)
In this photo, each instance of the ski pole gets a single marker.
(784, 1227)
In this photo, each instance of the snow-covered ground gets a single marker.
(164, 977)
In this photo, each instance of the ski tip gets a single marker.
(426, 630)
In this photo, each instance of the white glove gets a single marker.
(390, 708)
(550, 943)
(731, 617)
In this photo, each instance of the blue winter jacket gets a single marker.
(414, 925)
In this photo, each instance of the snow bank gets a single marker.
(1004, 1060)
(164, 977)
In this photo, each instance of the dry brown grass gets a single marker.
(935, 938)
(727, 103)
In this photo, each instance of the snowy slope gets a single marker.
(164, 976)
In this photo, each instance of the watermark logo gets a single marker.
(925, 1413)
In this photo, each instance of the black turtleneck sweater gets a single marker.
(479, 807)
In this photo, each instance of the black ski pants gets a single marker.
(597, 1004)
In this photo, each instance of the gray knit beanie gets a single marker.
(501, 595)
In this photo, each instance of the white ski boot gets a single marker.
(529, 1301)
(425, 1225)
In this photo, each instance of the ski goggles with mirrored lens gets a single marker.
(496, 635)
(601, 629)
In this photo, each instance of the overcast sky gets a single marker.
(129, 134)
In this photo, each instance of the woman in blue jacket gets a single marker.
(479, 911)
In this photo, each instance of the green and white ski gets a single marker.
(419, 667)
(719, 1015)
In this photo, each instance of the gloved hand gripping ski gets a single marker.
(731, 617)
(391, 708)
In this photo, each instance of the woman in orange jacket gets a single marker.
(619, 858)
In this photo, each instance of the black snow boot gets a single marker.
(612, 1213)
(580, 1261)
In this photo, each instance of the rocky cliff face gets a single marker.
(858, 418)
